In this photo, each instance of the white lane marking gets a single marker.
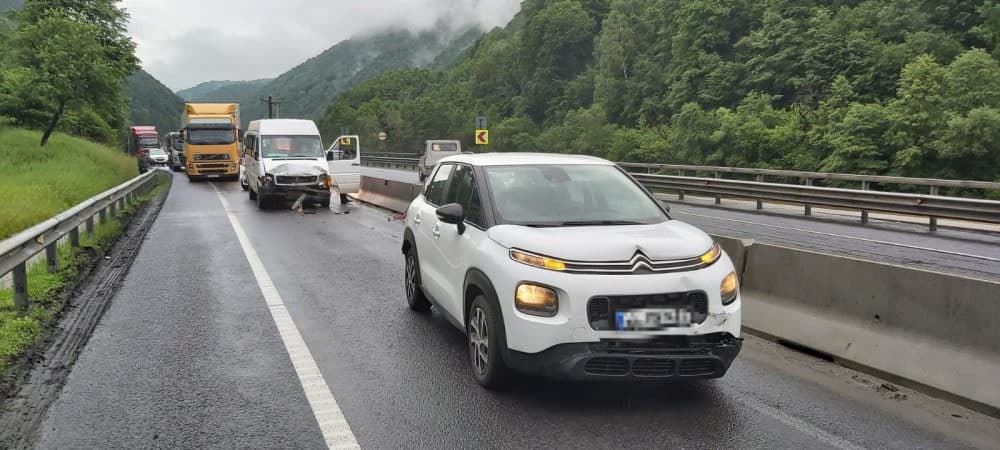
(799, 425)
(332, 423)
(873, 241)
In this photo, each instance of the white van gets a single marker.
(281, 159)
(344, 159)
(435, 151)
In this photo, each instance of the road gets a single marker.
(963, 252)
(199, 349)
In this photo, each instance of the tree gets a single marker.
(67, 65)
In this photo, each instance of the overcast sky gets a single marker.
(186, 42)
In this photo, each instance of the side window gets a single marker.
(436, 188)
(463, 191)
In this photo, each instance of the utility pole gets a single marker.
(272, 103)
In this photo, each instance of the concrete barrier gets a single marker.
(390, 194)
(736, 249)
(934, 329)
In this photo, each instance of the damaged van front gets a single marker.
(283, 161)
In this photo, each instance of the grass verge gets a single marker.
(19, 331)
(39, 182)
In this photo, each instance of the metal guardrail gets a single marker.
(809, 177)
(931, 206)
(16, 251)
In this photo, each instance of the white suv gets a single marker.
(564, 265)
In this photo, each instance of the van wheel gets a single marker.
(252, 194)
(414, 293)
(325, 203)
(485, 332)
(262, 202)
(244, 185)
(344, 199)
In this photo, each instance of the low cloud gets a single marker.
(185, 42)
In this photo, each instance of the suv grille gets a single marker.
(601, 310)
(606, 366)
(649, 367)
(696, 367)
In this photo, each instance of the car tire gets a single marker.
(244, 186)
(485, 331)
(252, 193)
(262, 202)
(325, 203)
(344, 199)
(411, 282)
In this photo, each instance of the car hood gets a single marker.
(669, 240)
(295, 168)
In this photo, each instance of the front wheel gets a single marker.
(486, 343)
(414, 293)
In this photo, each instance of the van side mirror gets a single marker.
(329, 156)
(452, 213)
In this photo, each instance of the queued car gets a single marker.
(566, 266)
(158, 156)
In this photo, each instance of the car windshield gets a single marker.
(569, 195)
(291, 147)
(211, 136)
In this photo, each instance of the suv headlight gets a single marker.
(729, 288)
(536, 300)
(712, 255)
(537, 261)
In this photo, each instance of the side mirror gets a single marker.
(329, 156)
(666, 206)
(454, 214)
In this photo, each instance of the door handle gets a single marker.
(416, 220)
(437, 232)
(356, 164)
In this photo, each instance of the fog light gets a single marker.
(730, 288)
(536, 300)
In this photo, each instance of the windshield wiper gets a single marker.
(584, 223)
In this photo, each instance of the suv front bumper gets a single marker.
(663, 357)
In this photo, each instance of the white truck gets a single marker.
(435, 151)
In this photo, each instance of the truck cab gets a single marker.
(211, 137)
(344, 160)
(175, 148)
(141, 140)
(282, 160)
(435, 151)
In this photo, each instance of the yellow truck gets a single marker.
(211, 135)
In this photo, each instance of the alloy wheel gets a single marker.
(479, 341)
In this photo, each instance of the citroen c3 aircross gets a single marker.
(565, 266)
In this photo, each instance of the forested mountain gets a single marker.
(222, 91)
(7, 5)
(905, 87)
(152, 103)
(308, 89)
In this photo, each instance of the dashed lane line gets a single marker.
(332, 423)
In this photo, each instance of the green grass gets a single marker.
(19, 330)
(39, 182)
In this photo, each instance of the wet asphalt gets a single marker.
(188, 356)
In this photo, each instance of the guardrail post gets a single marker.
(864, 212)
(20, 275)
(114, 209)
(718, 198)
(808, 208)
(52, 257)
(933, 220)
(74, 237)
(760, 202)
(101, 217)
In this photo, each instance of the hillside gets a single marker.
(152, 103)
(308, 89)
(906, 87)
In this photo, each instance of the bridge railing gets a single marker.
(18, 250)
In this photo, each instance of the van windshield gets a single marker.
(291, 147)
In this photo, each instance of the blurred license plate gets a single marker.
(652, 319)
(214, 176)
